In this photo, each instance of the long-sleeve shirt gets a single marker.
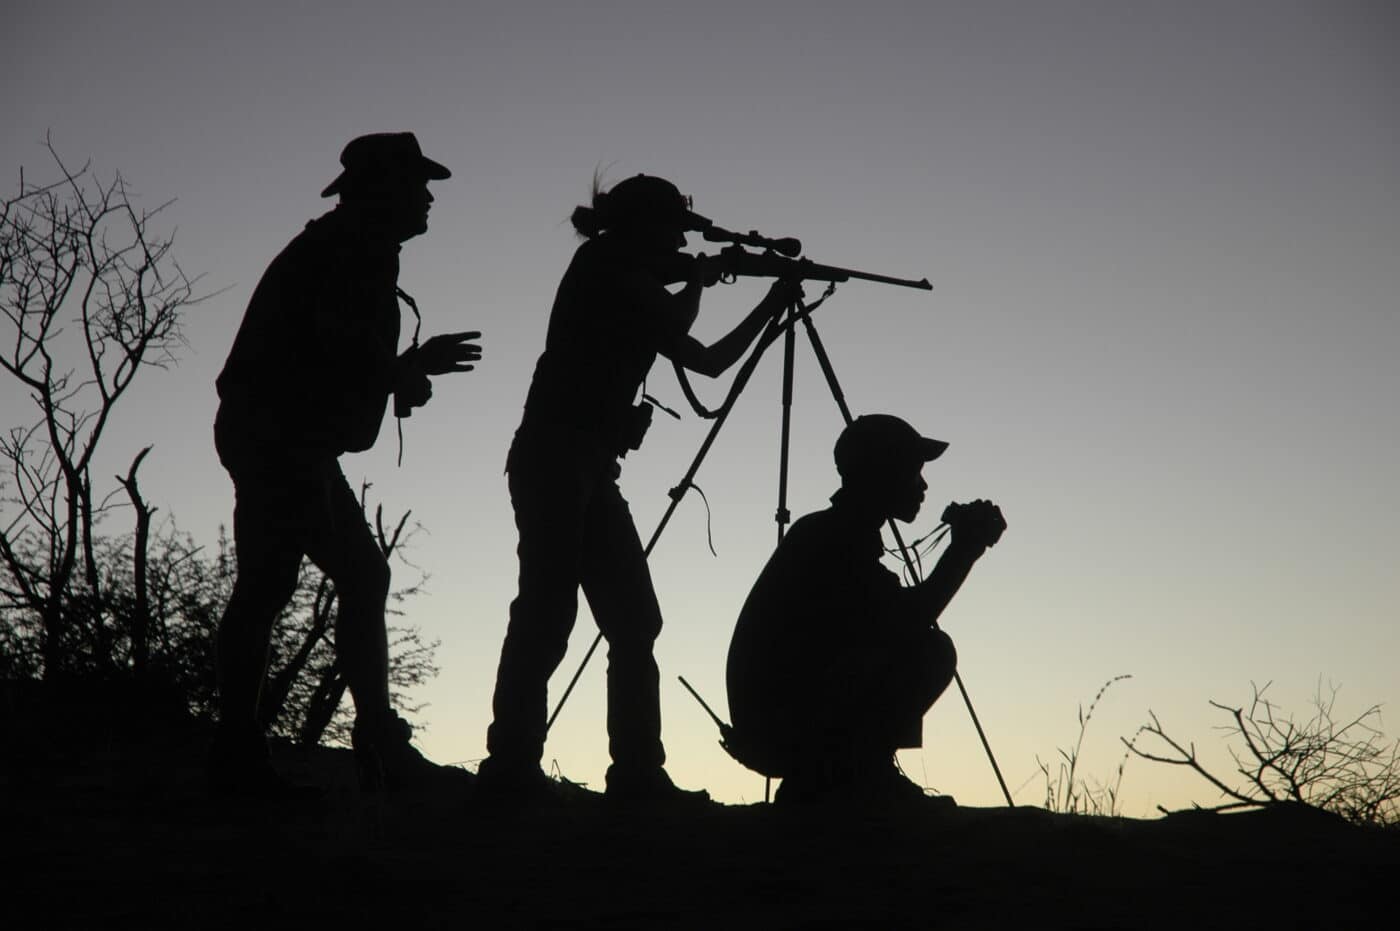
(822, 595)
(314, 361)
(610, 317)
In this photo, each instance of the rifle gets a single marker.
(735, 261)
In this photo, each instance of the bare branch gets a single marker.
(1345, 768)
(76, 250)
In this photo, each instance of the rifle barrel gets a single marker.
(767, 265)
(922, 284)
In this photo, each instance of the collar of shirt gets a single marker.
(865, 536)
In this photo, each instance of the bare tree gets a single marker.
(90, 294)
(1344, 766)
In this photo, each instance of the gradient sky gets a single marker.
(1163, 333)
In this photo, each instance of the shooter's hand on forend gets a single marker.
(782, 294)
(979, 522)
(449, 352)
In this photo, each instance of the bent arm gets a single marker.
(652, 309)
(927, 600)
(714, 359)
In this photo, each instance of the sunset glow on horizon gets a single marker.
(1163, 332)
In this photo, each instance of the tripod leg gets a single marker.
(741, 381)
(824, 361)
(783, 516)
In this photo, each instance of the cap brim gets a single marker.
(690, 220)
(430, 171)
(931, 449)
(335, 186)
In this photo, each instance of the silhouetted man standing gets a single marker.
(834, 662)
(311, 370)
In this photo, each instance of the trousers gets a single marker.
(863, 705)
(288, 507)
(575, 532)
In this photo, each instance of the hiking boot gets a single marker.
(386, 760)
(796, 792)
(887, 784)
(239, 765)
(940, 803)
(860, 783)
(509, 784)
(651, 786)
(813, 780)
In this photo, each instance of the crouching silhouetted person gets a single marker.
(312, 368)
(834, 662)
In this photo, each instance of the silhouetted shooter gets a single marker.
(311, 370)
(834, 662)
(612, 316)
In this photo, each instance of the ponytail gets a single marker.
(586, 221)
(591, 220)
(641, 202)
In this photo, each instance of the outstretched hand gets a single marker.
(448, 352)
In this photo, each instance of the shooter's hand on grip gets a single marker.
(979, 522)
(704, 271)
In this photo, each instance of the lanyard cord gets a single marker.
(404, 296)
(696, 404)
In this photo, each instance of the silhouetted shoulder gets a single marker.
(831, 535)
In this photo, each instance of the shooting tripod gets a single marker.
(783, 324)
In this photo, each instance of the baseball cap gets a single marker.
(647, 199)
(882, 440)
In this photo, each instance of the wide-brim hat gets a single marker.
(881, 441)
(380, 159)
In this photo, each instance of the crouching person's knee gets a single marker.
(941, 652)
(940, 663)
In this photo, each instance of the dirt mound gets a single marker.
(121, 834)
